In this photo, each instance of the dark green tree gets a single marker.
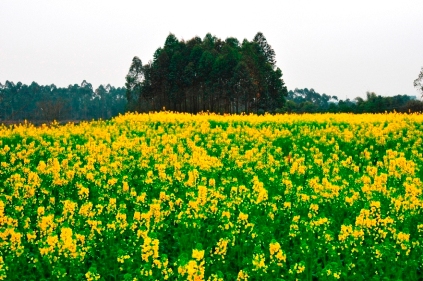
(85, 96)
(265, 48)
(43, 103)
(243, 86)
(133, 83)
(200, 75)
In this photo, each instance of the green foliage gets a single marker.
(133, 80)
(309, 101)
(38, 103)
(210, 75)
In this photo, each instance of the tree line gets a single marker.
(209, 74)
(309, 101)
(34, 102)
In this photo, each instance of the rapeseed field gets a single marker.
(168, 196)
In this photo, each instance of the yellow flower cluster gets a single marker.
(166, 196)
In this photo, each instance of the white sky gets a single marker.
(336, 47)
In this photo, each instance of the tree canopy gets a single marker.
(47, 103)
(309, 101)
(208, 74)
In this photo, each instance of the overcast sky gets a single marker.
(336, 47)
